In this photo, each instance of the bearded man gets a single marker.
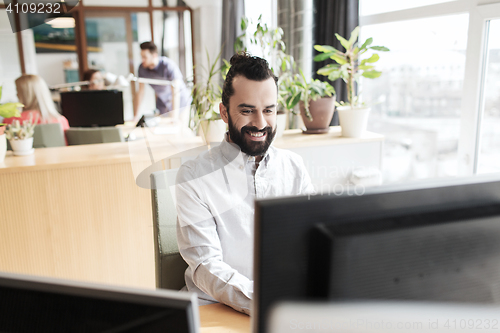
(215, 193)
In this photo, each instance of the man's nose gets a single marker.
(259, 120)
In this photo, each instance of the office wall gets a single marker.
(10, 67)
(207, 17)
(50, 66)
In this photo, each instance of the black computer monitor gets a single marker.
(92, 108)
(37, 304)
(440, 242)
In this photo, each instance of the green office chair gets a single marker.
(85, 136)
(47, 135)
(169, 265)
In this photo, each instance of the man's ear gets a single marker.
(223, 113)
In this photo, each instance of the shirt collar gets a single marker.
(230, 150)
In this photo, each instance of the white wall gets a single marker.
(10, 68)
(207, 19)
(50, 66)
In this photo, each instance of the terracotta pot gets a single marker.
(322, 114)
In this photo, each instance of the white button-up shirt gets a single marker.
(215, 226)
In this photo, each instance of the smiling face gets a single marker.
(252, 114)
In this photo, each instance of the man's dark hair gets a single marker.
(253, 68)
(150, 46)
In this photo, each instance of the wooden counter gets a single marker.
(77, 213)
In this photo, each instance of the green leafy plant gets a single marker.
(269, 41)
(348, 64)
(8, 110)
(207, 95)
(298, 89)
(273, 48)
(18, 131)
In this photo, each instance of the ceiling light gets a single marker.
(61, 22)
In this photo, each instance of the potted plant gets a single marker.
(315, 98)
(350, 67)
(207, 96)
(20, 136)
(7, 110)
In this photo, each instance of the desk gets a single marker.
(219, 318)
(77, 213)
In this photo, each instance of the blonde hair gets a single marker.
(34, 93)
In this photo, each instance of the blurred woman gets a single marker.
(95, 78)
(33, 92)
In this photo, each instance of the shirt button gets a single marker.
(241, 167)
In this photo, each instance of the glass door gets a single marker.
(113, 46)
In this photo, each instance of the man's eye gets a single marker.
(246, 111)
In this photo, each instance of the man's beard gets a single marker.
(252, 148)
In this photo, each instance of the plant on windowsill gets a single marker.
(7, 110)
(316, 100)
(207, 95)
(350, 67)
(20, 136)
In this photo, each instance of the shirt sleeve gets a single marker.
(200, 246)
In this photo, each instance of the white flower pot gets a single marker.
(280, 124)
(22, 147)
(213, 130)
(353, 121)
(3, 147)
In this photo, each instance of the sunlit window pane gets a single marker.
(370, 7)
(489, 158)
(417, 100)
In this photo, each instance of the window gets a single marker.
(436, 87)
(417, 100)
